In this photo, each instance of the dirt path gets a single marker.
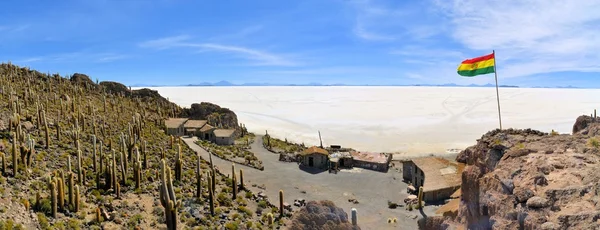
(372, 189)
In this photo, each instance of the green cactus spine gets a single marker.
(281, 203)
(53, 198)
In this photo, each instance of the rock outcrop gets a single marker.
(527, 179)
(321, 215)
(214, 114)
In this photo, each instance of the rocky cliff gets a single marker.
(214, 114)
(526, 179)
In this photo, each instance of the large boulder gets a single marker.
(214, 114)
(321, 215)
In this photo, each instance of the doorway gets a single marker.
(206, 136)
(310, 162)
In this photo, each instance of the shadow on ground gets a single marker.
(311, 170)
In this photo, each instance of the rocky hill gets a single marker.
(526, 179)
(214, 114)
(79, 155)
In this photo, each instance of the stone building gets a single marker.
(175, 126)
(439, 177)
(224, 136)
(315, 157)
(192, 127)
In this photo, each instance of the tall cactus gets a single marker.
(79, 168)
(53, 198)
(281, 203)
(167, 196)
(233, 182)
(76, 203)
(61, 191)
(419, 205)
(242, 179)
(94, 150)
(144, 153)
(178, 164)
(47, 130)
(71, 188)
(211, 196)
(123, 167)
(3, 163)
(14, 156)
(101, 157)
(198, 179)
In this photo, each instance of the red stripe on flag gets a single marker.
(478, 59)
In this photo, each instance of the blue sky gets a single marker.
(537, 42)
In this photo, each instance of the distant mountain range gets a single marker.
(226, 83)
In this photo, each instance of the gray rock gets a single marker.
(522, 194)
(508, 186)
(537, 202)
(548, 226)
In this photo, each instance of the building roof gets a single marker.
(456, 194)
(315, 149)
(369, 157)
(175, 122)
(450, 207)
(439, 172)
(194, 124)
(206, 128)
(224, 132)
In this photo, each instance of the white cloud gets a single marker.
(75, 57)
(530, 37)
(165, 43)
(392, 21)
(258, 57)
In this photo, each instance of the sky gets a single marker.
(173, 42)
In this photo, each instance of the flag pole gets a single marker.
(497, 94)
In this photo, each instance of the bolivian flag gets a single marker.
(477, 66)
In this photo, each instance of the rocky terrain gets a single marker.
(527, 179)
(321, 215)
(75, 154)
(214, 114)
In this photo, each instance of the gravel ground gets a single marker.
(372, 189)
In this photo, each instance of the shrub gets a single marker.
(593, 142)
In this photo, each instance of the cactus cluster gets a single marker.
(167, 196)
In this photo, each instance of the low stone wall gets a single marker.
(381, 167)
